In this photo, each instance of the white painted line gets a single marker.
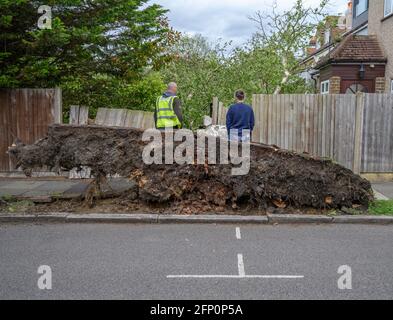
(242, 273)
(240, 265)
(380, 196)
(238, 234)
(221, 276)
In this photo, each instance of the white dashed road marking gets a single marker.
(240, 265)
(242, 274)
(238, 234)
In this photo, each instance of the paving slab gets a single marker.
(16, 184)
(37, 189)
(386, 189)
(6, 192)
(118, 185)
(51, 188)
(62, 185)
(78, 188)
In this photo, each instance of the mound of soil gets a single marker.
(277, 178)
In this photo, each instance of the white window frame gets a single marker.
(386, 10)
(325, 87)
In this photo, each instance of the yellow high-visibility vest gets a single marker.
(166, 116)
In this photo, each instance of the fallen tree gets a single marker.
(276, 178)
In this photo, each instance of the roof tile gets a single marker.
(356, 48)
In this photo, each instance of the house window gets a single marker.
(361, 7)
(388, 7)
(325, 87)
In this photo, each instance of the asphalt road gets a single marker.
(95, 261)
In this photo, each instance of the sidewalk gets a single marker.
(385, 189)
(43, 190)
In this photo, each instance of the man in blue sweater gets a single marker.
(240, 117)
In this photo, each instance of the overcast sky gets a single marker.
(226, 19)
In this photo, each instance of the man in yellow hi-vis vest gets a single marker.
(168, 112)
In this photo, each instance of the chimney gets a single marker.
(349, 16)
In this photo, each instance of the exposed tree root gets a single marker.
(277, 177)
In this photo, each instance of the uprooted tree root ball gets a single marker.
(277, 178)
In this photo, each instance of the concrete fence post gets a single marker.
(79, 115)
(58, 106)
(358, 141)
(215, 106)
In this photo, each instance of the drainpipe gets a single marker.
(313, 74)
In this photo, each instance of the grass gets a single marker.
(7, 198)
(11, 205)
(20, 206)
(56, 194)
(381, 207)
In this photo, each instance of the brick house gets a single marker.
(380, 24)
(358, 63)
(363, 59)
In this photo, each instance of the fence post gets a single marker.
(84, 115)
(221, 119)
(79, 115)
(357, 157)
(215, 110)
(58, 106)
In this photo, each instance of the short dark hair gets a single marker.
(240, 95)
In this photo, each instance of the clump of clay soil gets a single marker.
(277, 178)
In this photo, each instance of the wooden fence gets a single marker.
(354, 130)
(125, 118)
(79, 115)
(219, 112)
(26, 114)
(377, 138)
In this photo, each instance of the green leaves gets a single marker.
(104, 91)
(197, 67)
(99, 52)
(108, 53)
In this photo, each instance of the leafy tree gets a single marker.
(197, 68)
(270, 62)
(96, 50)
(119, 53)
(283, 37)
(103, 91)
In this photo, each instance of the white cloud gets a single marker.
(226, 19)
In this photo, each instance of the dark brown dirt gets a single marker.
(277, 178)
